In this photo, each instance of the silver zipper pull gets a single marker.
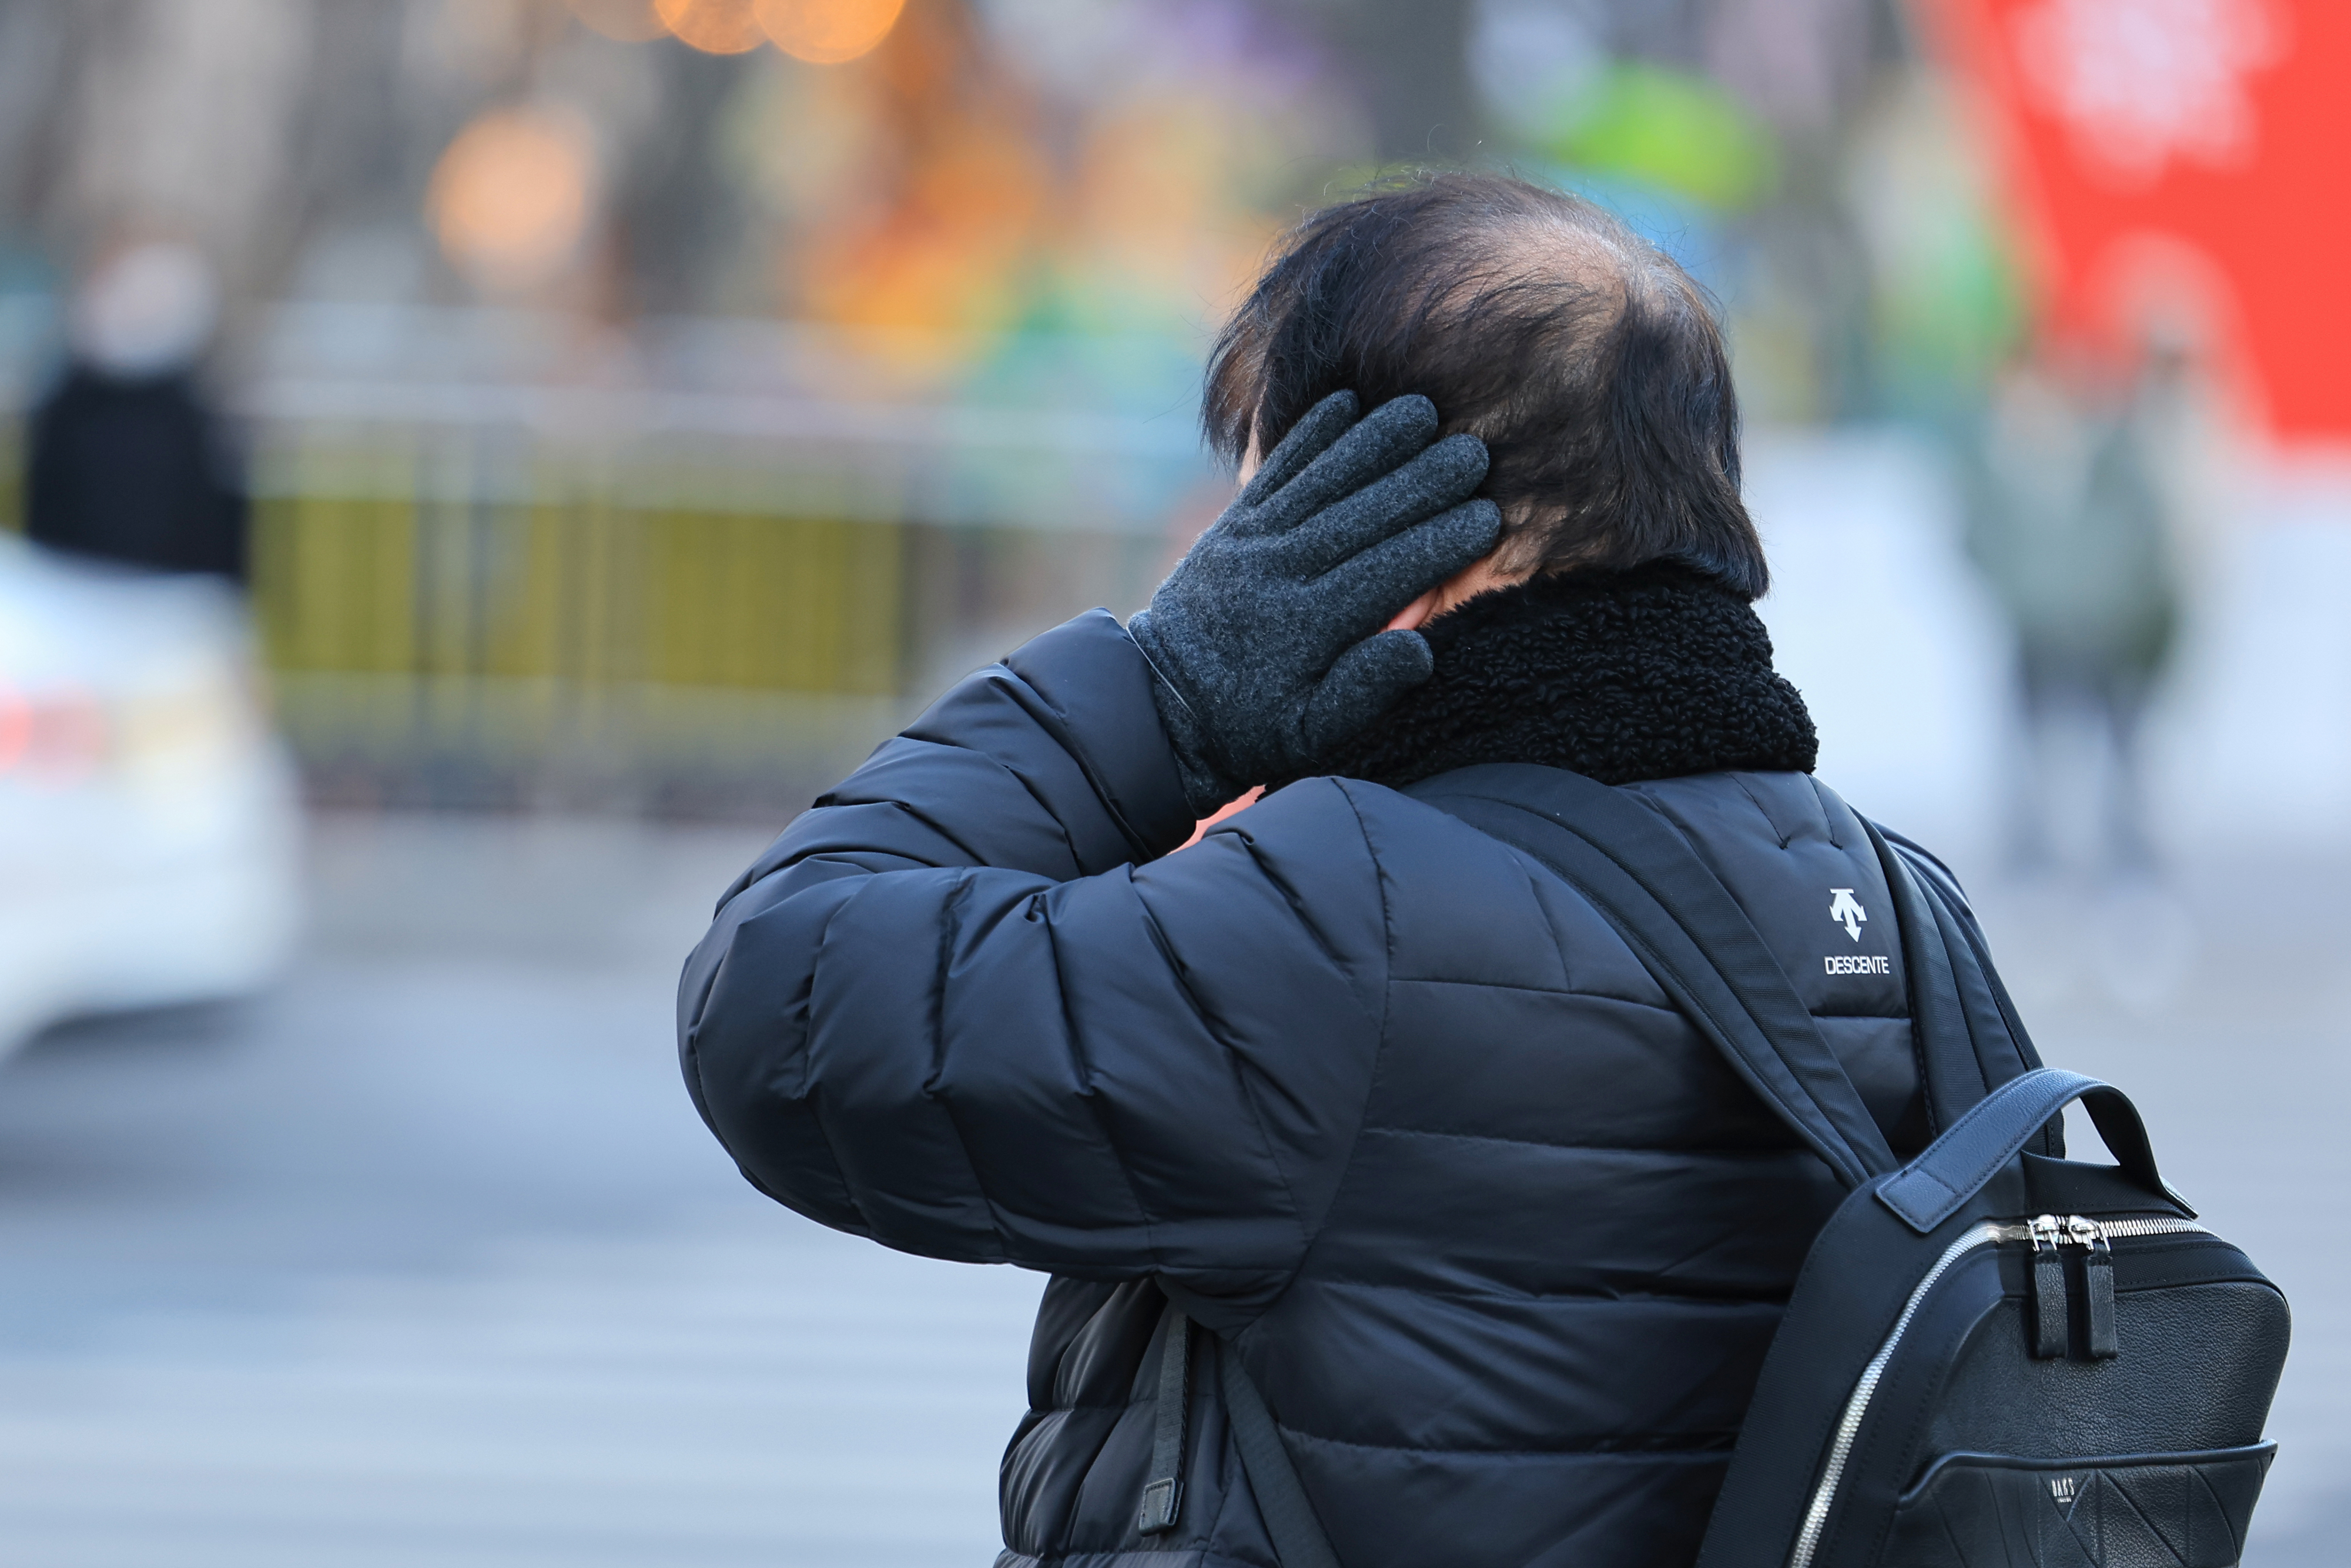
(2099, 1284)
(2048, 1311)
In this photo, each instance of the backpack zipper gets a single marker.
(2098, 1284)
(2048, 1313)
(2073, 1228)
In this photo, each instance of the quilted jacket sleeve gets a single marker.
(963, 1008)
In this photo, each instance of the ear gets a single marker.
(1413, 616)
(1480, 576)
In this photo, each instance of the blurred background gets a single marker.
(470, 470)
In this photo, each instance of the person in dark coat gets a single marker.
(127, 461)
(1374, 1097)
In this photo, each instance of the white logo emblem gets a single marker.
(2061, 1488)
(1843, 906)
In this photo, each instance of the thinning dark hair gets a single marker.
(1588, 361)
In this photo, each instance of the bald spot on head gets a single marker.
(1587, 360)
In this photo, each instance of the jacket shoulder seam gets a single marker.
(1685, 1454)
(1085, 1069)
(1676, 1152)
(1380, 1050)
(1208, 1021)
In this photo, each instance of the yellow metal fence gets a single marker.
(574, 649)
(588, 594)
(565, 642)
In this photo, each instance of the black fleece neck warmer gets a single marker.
(1622, 675)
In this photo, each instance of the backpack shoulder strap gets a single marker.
(1956, 995)
(1953, 1079)
(1299, 1539)
(1297, 1533)
(1639, 872)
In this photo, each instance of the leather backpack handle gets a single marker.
(1932, 1187)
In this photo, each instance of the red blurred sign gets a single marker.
(2183, 155)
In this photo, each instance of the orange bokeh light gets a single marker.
(826, 32)
(713, 26)
(630, 21)
(510, 196)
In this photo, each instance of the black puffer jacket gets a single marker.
(1368, 1092)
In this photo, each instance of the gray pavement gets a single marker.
(424, 1259)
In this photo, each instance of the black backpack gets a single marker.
(1993, 1357)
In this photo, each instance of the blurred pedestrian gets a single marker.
(2071, 519)
(128, 460)
(1384, 1106)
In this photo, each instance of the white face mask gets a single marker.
(146, 310)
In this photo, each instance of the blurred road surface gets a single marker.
(425, 1259)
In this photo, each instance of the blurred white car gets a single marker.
(149, 829)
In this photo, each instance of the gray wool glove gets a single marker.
(1266, 637)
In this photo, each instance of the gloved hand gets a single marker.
(1266, 637)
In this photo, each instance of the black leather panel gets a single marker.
(2198, 1366)
(1984, 1511)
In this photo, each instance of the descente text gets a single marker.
(1858, 964)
